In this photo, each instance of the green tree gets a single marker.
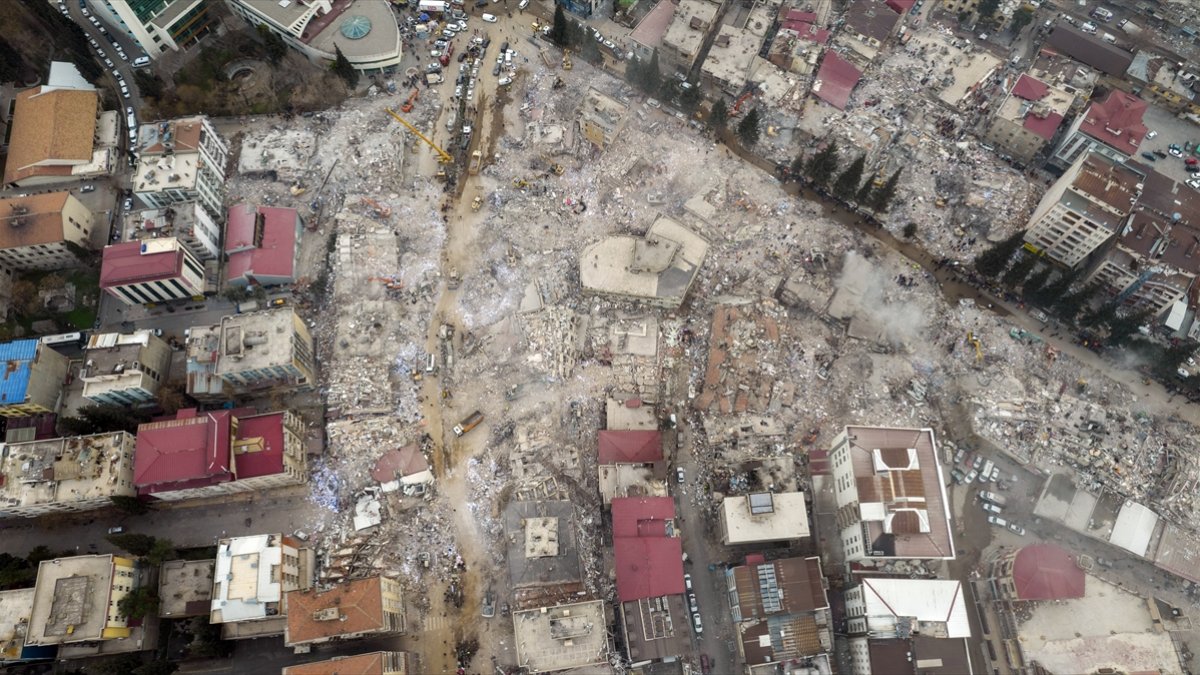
(1174, 355)
(1020, 270)
(798, 165)
(38, 554)
(138, 603)
(882, 197)
(910, 230)
(121, 664)
(1069, 305)
(589, 50)
(1124, 326)
(822, 165)
(719, 114)
(864, 193)
(987, 9)
(16, 572)
(1101, 315)
(994, 260)
(95, 419)
(689, 100)
(1021, 18)
(1036, 282)
(162, 551)
(847, 181)
(558, 31)
(25, 299)
(148, 83)
(132, 542)
(131, 505)
(343, 68)
(747, 129)
(1048, 294)
(276, 48)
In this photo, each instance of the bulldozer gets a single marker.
(476, 203)
(520, 183)
(566, 62)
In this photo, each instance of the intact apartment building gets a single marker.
(781, 613)
(181, 160)
(923, 621)
(681, 44)
(891, 495)
(764, 518)
(271, 349)
(371, 663)
(160, 26)
(151, 272)
(124, 368)
(58, 132)
(75, 600)
(868, 24)
(364, 30)
(261, 245)
(252, 578)
(34, 379)
(602, 118)
(1027, 119)
(1084, 209)
(44, 231)
(186, 222)
(62, 475)
(1112, 128)
(355, 609)
(205, 454)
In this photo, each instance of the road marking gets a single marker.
(432, 623)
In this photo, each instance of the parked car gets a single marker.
(88, 188)
(490, 18)
(116, 530)
(1149, 155)
(1174, 150)
(489, 605)
(991, 507)
(1194, 183)
(679, 475)
(697, 625)
(997, 521)
(1151, 134)
(692, 602)
(687, 581)
(1017, 529)
(970, 477)
(522, 4)
(957, 475)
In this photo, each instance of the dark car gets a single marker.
(1149, 155)
(1160, 154)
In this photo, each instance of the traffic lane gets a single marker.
(283, 510)
(708, 585)
(132, 51)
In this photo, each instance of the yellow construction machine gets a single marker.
(974, 341)
(443, 156)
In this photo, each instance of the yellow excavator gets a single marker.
(974, 341)
(566, 64)
(443, 156)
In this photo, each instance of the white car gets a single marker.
(522, 4)
(991, 507)
(1152, 134)
(490, 18)
(1089, 27)
(124, 93)
(504, 81)
(1194, 183)
(462, 25)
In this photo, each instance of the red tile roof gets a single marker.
(261, 242)
(1043, 126)
(797, 15)
(1029, 88)
(648, 567)
(649, 563)
(124, 264)
(836, 80)
(901, 6)
(630, 447)
(399, 463)
(268, 460)
(641, 516)
(808, 31)
(357, 606)
(1117, 121)
(1047, 572)
(190, 451)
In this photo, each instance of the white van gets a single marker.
(131, 121)
(141, 61)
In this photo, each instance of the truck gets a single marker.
(1129, 27)
(994, 498)
(470, 422)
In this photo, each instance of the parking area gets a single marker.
(1171, 130)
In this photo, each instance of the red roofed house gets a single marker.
(261, 245)
(221, 452)
(1038, 572)
(1112, 127)
(900, 6)
(1026, 120)
(648, 552)
(630, 447)
(835, 80)
(150, 272)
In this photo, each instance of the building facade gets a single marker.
(35, 378)
(891, 495)
(1027, 119)
(44, 231)
(159, 26)
(151, 272)
(187, 222)
(602, 118)
(62, 475)
(271, 349)
(1083, 209)
(685, 35)
(372, 663)
(124, 369)
(181, 160)
(75, 600)
(365, 31)
(358, 608)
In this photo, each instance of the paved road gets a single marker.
(131, 48)
(284, 510)
(269, 656)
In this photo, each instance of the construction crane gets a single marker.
(443, 156)
(737, 107)
(977, 345)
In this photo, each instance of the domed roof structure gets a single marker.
(356, 27)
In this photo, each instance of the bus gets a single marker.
(63, 340)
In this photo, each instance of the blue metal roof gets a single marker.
(17, 358)
(356, 27)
